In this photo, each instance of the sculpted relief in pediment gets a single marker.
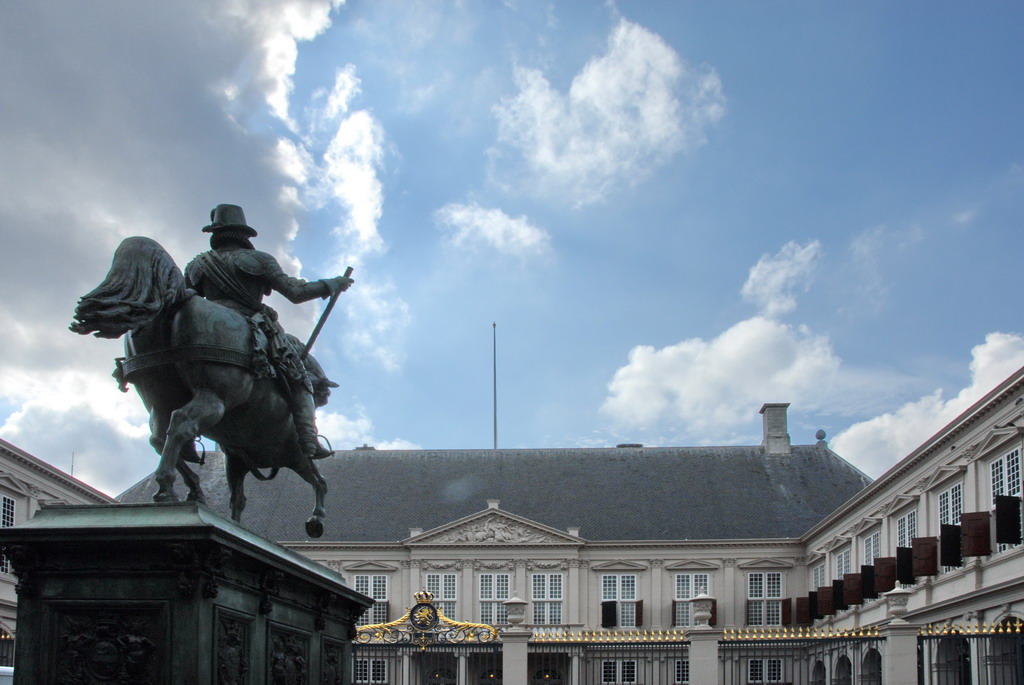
(492, 530)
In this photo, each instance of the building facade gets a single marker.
(776, 562)
(26, 483)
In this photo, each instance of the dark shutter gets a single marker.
(675, 613)
(949, 546)
(885, 574)
(609, 614)
(713, 621)
(639, 613)
(925, 556)
(803, 611)
(976, 534)
(852, 589)
(787, 612)
(812, 605)
(867, 582)
(825, 606)
(838, 595)
(1007, 520)
(905, 565)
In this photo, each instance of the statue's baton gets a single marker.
(323, 318)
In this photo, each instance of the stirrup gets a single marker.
(314, 450)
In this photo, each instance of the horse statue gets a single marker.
(201, 370)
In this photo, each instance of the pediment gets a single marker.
(864, 524)
(944, 473)
(898, 502)
(837, 542)
(370, 567)
(691, 565)
(618, 565)
(998, 437)
(494, 527)
(767, 562)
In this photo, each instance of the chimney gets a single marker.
(776, 437)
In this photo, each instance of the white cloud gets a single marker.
(877, 444)
(275, 27)
(345, 433)
(472, 226)
(773, 279)
(626, 112)
(710, 385)
(382, 319)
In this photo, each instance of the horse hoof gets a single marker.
(166, 497)
(314, 527)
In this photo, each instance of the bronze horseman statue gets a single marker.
(209, 358)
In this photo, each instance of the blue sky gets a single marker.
(674, 211)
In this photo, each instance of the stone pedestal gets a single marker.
(155, 594)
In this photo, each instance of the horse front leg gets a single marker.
(204, 410)
(236, 470)
(311, 474)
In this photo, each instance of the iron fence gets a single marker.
(811, 658)
(609, 663)
(437, 664)
(955, 657)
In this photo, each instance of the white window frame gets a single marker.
(619, 672)
(621, 588)
(765, 590)
(688, 586)
(764, 670)
(369, 671)
(374, 586)
(548, 592)
(951, 504)
(682, 671)
(1005, 479)
(906, 528)
(8, 517)
(818, 576)
(872, 547)
(493, 589)
(842, 563)
(445, 588)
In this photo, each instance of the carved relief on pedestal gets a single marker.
(333, 663)
(232, 650)
(288, 658)
(95, 647)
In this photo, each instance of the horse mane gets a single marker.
(142, 281)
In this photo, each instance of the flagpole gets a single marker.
(494, 330)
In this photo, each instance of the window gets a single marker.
(951, 505)
(619, 672)
(7, 508)
(682, 671)
(906, 529)
(764, 599)
(443, 587)
(688, 586)
(818, 576)
(621, 591)
(376, 588)
(493, 591)
(1006, 476)
(547, 598)
(842, 563)
(872, 547)
(764, 671)
(370, 671)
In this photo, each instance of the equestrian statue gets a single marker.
(210, 359)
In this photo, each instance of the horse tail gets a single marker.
(259, 476)
(142, 281)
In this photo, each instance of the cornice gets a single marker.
(53, 473)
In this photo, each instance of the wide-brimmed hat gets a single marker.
(229, 218)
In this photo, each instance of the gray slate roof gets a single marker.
(650, 493)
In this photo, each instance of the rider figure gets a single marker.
(235, 274)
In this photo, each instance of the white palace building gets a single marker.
(633, 565)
